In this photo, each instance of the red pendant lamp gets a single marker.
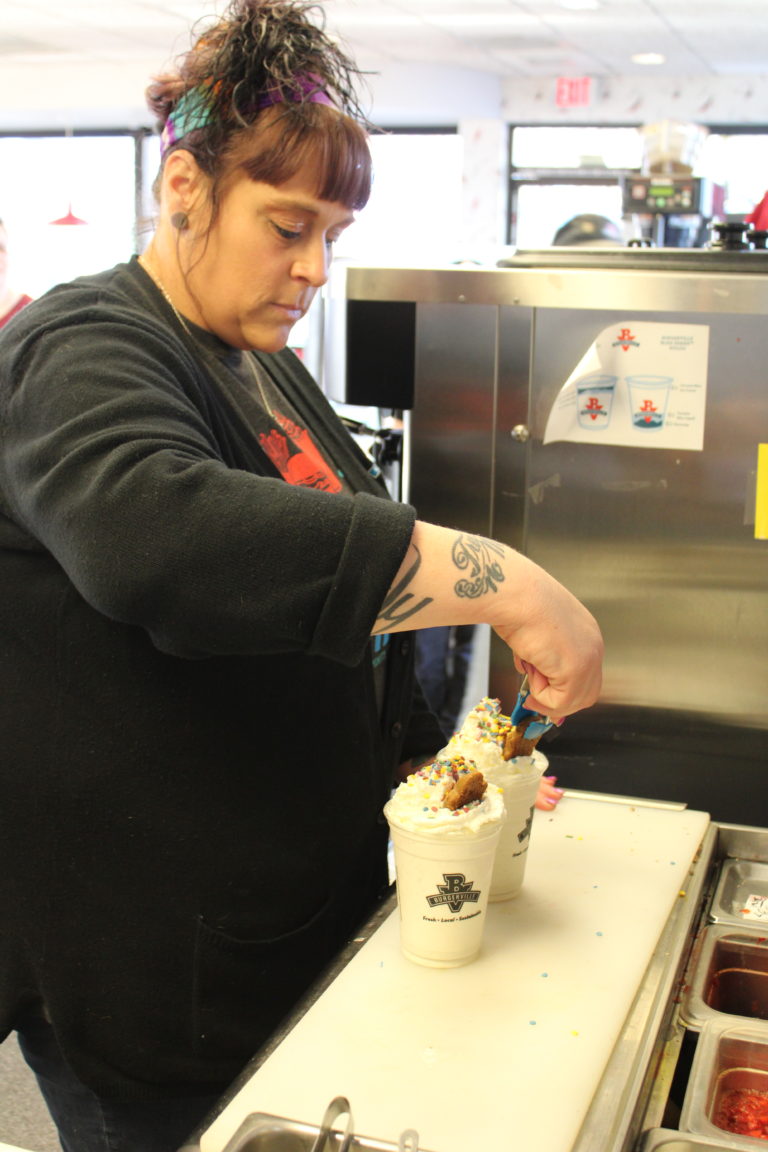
(70, 217)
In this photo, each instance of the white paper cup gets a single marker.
(443, 882)
(512, 852)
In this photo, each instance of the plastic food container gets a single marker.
(729, 1074)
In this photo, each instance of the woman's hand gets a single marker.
(556, 642)
(548, 795)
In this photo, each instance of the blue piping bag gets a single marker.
(536, 727)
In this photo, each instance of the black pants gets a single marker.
(87, 1123)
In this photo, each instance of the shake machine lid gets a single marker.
(667, 259)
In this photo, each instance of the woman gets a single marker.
(205, 611)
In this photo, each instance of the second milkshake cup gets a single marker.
(443, 864)
(481, 741)
(519, 783)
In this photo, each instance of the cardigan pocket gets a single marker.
(244, 988)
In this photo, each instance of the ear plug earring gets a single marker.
(180, 220)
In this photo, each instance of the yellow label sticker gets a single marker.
(761, 494)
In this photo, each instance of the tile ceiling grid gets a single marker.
(526, 38)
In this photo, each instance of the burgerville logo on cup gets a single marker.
(455, 893)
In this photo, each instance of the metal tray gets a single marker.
(727, 1058)
(727, 977)
(672, 259)
(741, 895)
(668, 1140)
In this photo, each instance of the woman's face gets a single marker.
(268, 251)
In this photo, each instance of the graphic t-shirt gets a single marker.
(288, 443)
(296, 456)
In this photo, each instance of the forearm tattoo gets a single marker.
(480, 557)
(400, 603)
(484, 572)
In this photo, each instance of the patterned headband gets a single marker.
(194, 111)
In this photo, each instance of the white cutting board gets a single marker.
(507, 1052)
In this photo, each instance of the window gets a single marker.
(740, 162)
(590, 148)
(92, 175)
(559, 172)
(542, 208)
(414, 215)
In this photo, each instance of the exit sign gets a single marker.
(573, 91)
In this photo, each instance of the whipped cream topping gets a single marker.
(416, 804)
(481, 740)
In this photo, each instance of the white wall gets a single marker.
(433, 96)
(642, 100)
(38, 96)
(46, 96)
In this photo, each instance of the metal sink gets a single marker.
(260, 1132)
(271, 1134)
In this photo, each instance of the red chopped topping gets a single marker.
(744, 1112)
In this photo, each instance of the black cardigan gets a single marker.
(193, 766)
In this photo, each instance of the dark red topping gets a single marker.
(744, 1112)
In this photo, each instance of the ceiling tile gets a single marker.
(511, 37)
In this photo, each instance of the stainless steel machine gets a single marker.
(660, 542)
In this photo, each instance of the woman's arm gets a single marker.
(450, 577)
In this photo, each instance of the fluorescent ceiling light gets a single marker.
(379, 19)
(648, 58)
(478, 19)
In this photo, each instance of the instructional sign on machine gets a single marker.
(641, 384)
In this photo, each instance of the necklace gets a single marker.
(256, 375)
(245, 358)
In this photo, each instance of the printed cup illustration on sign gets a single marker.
(594, 398)
(648, 396)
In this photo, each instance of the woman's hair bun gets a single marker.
(255, 47)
